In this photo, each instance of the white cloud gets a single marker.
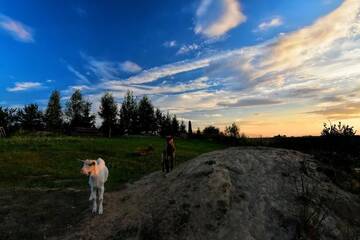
(23, 86)
(130, 67)
(215, 18)
(170, 44)
(16, 29)
(274, 22)
(187, 48)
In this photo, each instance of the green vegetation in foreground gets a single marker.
(52, 161)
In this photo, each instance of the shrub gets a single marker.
(337, 130)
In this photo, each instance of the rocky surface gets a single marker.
(238, 193)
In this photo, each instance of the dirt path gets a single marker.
(238, 193)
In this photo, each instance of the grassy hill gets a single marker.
(52, 162)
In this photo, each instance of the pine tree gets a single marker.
(78, 111)
(53, 113)
(174, 126)
(128, 114)
(159, 118)
(74, 109)
(182, 128)
(88, 119)
(146, 115)
(190, 129)
(166, 126)
(30, 117)
(108, 112)
(9, 119)
(198, 132)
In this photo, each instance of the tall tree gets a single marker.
(53, 113)
(198, 132)
(88, 119)
(159, 118)
(174, 126)
(190, 129)
(232, 131)
(146, 115)
(75, 109)
(78, 111)
(30, 117)
(211, 131)
(108, 112)
(128, 113)
(9, 119)
(182, 128)
(166, 125)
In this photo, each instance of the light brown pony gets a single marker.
(168, 155)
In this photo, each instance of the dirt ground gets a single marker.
(237, 193)
(40, 214)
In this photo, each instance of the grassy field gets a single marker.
(51, 162)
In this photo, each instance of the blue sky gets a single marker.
(256, 62)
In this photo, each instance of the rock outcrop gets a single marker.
(237, 193)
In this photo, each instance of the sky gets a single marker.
(271, 66)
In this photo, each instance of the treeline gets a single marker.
(132, 117)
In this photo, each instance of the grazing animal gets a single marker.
(168, 155)
(142, 152)
(98, 174)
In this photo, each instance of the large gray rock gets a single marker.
(238, 193)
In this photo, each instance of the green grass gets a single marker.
(52, 161)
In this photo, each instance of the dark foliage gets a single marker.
(31, 118)
(53, 113)
(108, 112)
(174, 126)
(232, 131)
(166, 126)
(9, 120)
(146, 116)
(190, 132)
(182, 128)
(78, 112)
(338, 130)
(211, 131)
(128, 114)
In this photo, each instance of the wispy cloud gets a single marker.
(215, 18)
(24, 86)
(344, 110)
(250, 102)
(130, 67)
(16, 29)
(274, 22)
(80, 77)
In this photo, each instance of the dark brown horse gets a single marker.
(168, 155)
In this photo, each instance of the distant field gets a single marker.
(51, 162)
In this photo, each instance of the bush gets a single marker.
(338, 130)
